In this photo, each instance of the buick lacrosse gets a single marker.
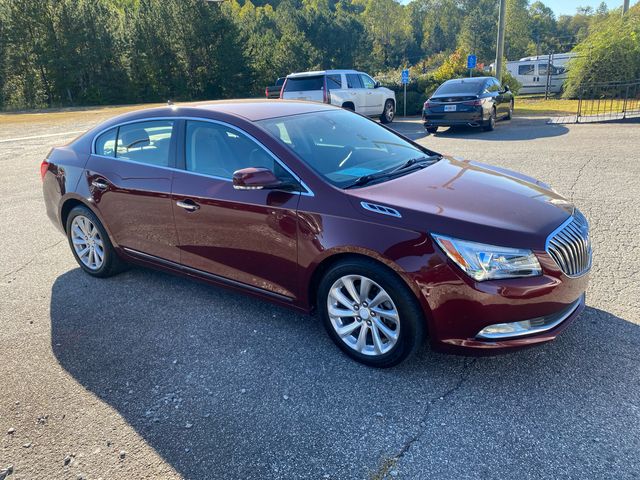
(320, 209)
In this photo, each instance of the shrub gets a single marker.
(611, 53)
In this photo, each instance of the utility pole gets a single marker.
(500, 47)
(625, 7)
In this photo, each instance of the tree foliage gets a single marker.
(610, 53)
(75, 52)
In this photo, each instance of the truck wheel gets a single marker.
(389, 112)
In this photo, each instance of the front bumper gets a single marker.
(459, 308)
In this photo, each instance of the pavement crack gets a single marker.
(30, 261)
(579, 175)
(391, 462)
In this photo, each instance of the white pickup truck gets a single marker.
(350, 89)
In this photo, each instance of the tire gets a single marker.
(432, 130)
(408, 328)
(349, 106)
(510, 114)
(84, 231)
(389, 112)
(492, 121)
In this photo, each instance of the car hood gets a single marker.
(472, 201)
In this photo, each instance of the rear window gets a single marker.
(299, 84)
(526, 69)
(459, 87)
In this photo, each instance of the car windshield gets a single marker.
(342, 146)
(460, 87)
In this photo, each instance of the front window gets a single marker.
(342, 146)
(367, 81)
(218, 150)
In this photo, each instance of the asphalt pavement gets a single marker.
(148, 375)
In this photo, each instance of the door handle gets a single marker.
(188, 205)
(99, 184)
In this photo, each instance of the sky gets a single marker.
(568, 7)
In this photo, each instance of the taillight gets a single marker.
(427, 104)
(266, 92)
(44, 167)
(473, 103)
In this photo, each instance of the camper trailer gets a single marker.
(532, 72)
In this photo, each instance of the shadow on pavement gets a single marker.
(510, 130)
(223, 385)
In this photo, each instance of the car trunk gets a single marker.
(452, 104)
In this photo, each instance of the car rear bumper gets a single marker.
(459, 308)
(471, 119)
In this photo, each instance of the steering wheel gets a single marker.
(132, 144)
(350, 151)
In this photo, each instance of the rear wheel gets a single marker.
(90, 244)
(492, 121)
(369, 313)
(389, 112)
(510, 114)
(432, 130)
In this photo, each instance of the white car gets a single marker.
(349, 89)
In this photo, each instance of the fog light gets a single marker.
(505, 329)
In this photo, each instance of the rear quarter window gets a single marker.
(299, 84)
(106, 143)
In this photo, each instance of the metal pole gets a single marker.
(500, 46)
(404, 97)
(625, 7)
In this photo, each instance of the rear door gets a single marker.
(357, 93)
(245, 236)
(129, 176)
(307, 87)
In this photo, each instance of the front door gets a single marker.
(246, 236)
(129, 177)
(374, 98)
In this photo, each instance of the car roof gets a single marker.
(251, 109)
(319, 72)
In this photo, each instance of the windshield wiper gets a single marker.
(411, 164)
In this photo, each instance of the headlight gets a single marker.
(488, 262)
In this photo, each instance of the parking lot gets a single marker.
(147, 375)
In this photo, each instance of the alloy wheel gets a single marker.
(363, 315)
(87, 242)
(389, 112)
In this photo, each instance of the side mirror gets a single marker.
(258, 178)
(376, 85)
(506, 88)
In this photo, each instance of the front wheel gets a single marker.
(432, 130)
(389, 112)
(370, 313)
(90, 244)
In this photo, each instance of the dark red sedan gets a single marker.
(318, 208)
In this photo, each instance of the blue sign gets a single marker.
(405, 76)
(472, 61)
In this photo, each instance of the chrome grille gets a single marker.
(570, 246)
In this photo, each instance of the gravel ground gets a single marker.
(147, 375)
